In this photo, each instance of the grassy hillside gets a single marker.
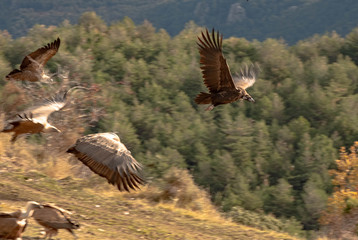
(102, 211)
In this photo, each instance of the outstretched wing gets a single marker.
(41, 55)
(247, 76)
(216, 72)
(105, 155)
(41, 112)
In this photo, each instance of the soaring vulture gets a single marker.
(53, 218)
(12, 225)
(34, 120)
(105, 155)
(217, 76)
(32, 66)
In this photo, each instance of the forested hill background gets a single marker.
(291, 20)
(272, 157)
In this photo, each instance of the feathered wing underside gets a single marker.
(105, 155)
(41, 112)
(247, 76)
(216, 72)
(34, 119)
(40, 57)
(53, 217)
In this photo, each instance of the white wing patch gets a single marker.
(247, 76)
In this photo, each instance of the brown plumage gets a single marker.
(217, 75)
(53, 218)
(32, 66)
(12, 225)
(34, 120)
(105, 155)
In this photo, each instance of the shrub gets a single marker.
(265, 222)
(177, 186)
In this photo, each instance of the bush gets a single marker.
(265, 222)
(177, 186)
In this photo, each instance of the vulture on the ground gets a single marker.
(32, 66)
(12, 225)
(34, 120)
(217, 76)
(53, 218)
(105, 155)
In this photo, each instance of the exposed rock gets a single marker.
(236, 13)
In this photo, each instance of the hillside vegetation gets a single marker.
(271, 157)
(291, 20)
(102, 211)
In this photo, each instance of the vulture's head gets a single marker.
(33, 205)
(247, 97)
(75, 225)
(49, 128)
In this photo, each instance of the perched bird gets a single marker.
(32, 66)
(105, 155)
(217, 75)
(53, 218)
(34, 120)
(12, 225)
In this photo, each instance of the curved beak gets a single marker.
(248, 98)
(251, 99)
(52, 129)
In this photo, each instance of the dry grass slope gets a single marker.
(102, 211)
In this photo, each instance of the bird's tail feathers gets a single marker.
(203, 98)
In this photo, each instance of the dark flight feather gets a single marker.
(106, 156)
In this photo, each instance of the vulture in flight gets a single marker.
(223, 87)
(12, 225)
(32, 66)
(53, 218)
(34, 120)
(105, 155)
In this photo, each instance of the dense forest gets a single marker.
(273, 156)
(292, 20)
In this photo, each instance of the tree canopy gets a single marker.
(272, 156)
